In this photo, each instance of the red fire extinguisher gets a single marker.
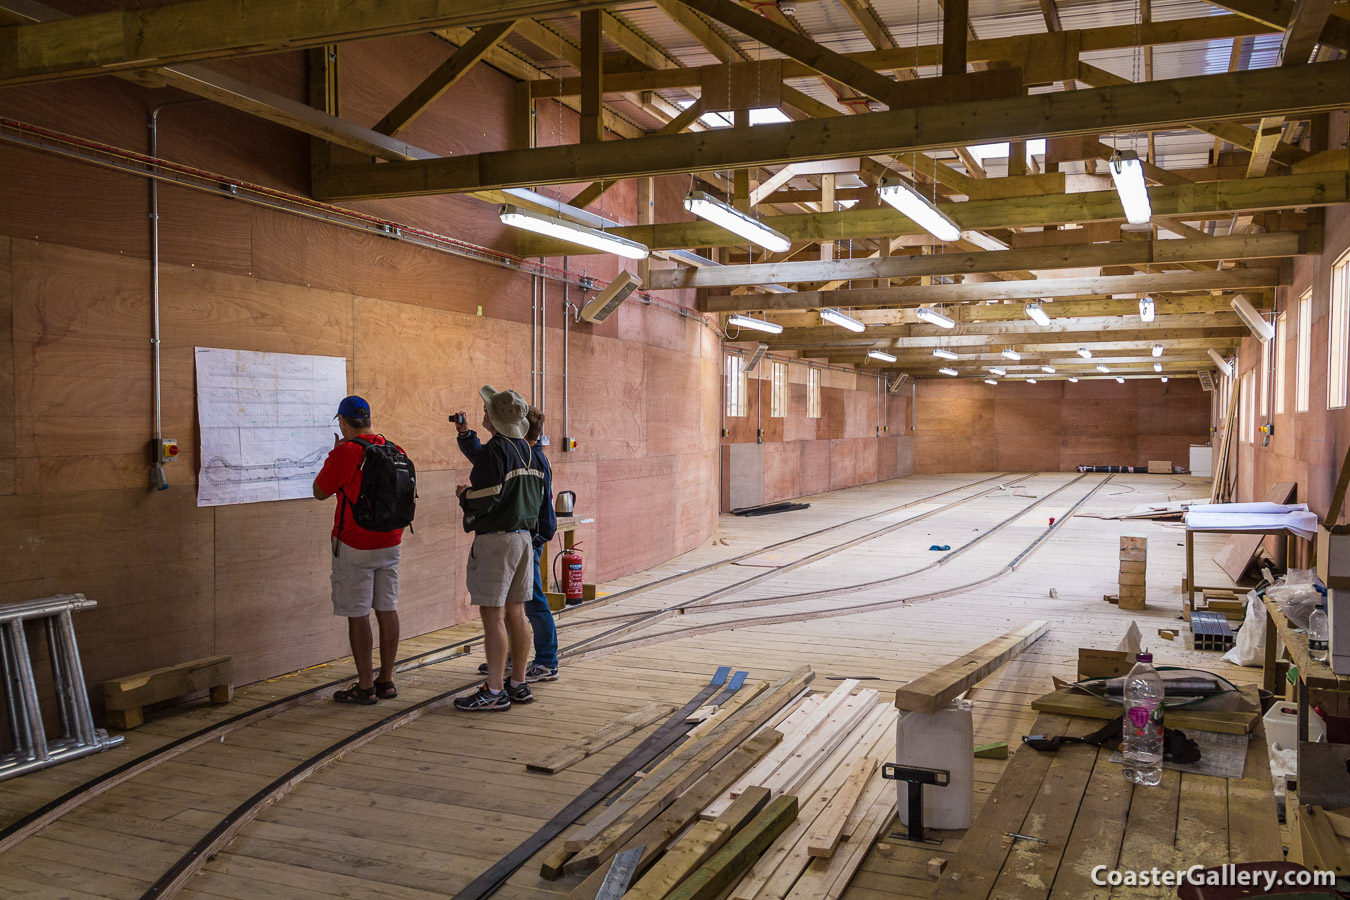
(572, 575)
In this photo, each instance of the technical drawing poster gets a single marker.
(266, 423)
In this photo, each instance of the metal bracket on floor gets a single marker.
(916, 777)
(79, 737)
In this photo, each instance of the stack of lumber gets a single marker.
(1133, 562)
(776, 795)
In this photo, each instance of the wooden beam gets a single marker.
(636, 45)
(699, 29)
(1290, 91)
(955, 24)
(139, 38)
(1127, 253)
(937, 689)
(1279, 14)
(1015, 331)
(1304, 32)
(1221, 280)
(592, 76)
(795, 46)
(1215, 199)
(443, 78)
(914, 336)
(1268, 136)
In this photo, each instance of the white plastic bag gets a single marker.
(1249, 648)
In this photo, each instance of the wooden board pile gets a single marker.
(1133, 563)
(777, 794)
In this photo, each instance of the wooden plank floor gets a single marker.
(421, 811)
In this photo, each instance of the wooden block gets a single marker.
(1167, 634)
(934, 691)
(1133, 568)
(222, 693)
(727, 866)
(935, 866)
(556, 601)
(1131, 601)
(1134, 556)
(552, 867)
(996, 750)
(1133, 542)
(132, 692)
(1160, 467)
(1111, 598)
(125, 719)
(1128, 579)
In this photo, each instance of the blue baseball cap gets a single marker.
(353, 407)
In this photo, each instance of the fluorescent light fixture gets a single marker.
(1164, 379)
(1147, 309)
(835, 317)
(933, 317)
(1102, 368)
(942, 353)
(881, 355)
(1222, 363)
(999, 371)
(1119, 379)
(946, 371)
(1049, 370)
(705, 206)
(914, 205)
(1157, 367)
(1157, 349)
(1263, 330)
(741, 321)
(1128, 174)
(1073, 379)
(552, 226)
(1031, 381)
(983, 241)
(1085, 353)
(1037, 315)
(990, 381)
(1011, 354)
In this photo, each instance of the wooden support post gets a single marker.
(1017, 157)
(124, 698)
(955, 24)
(523, 133)
(592, 76)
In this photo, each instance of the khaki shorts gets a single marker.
(501, 569)
(364, 579)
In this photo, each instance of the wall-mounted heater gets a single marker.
(603, 304)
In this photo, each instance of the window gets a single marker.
(778, 389)
(1281, 360)
(1248, 406)
(813, 393)
(1339, 334)
(736, 388)
(1263, 376)
(1304, 353)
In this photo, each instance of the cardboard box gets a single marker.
(1333, 557)
(1103, 663)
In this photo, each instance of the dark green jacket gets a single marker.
(505, 490)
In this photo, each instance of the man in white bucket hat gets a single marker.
(501, 507)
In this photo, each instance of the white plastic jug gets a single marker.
(944, 740)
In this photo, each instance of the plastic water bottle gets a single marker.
(1143, 725)
(1317, 633)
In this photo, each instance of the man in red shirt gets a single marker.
(365, 563)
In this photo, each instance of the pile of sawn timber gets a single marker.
(778, 794)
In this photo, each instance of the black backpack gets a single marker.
(388, 488)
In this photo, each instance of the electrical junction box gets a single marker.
(168, 450)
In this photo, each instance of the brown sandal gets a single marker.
(385, 690)
(357, 694)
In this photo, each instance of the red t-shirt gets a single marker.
(341, 475)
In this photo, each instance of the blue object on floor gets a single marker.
(940, 547)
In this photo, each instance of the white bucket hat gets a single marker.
(506, 410)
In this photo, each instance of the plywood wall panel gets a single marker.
(814, 475)
(865, 460)
(782, 465)
(7, 382)
(636, 497)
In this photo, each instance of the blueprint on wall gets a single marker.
(266, 423)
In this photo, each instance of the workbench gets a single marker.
(1188, 603)
(567, 530)
(1088, 815)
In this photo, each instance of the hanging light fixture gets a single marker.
(552, 226)
(943, 353)
(1147, 309)
(835, 317)
(1085, 353)
(741, 321)
(999, 371)
(1012, 354)
(1102, 368)
(1157, 367)
(1119, 379)
(946, 371)
(1128, 173)
(881, 355)
(1037, 315)
(933, 317)
(983, 241)
(1049, 370)
(1073, 379)
(917, 207)
(990, 381)
(1031, 381)
(1164, 379)
(706, 206)
(1157, 349)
